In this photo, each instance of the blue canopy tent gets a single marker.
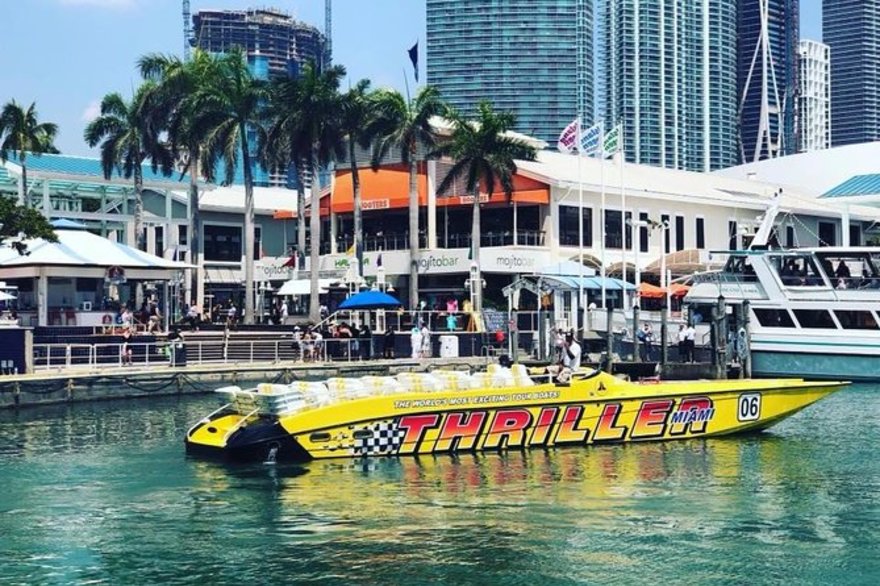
(370, 300)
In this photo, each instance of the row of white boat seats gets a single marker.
(334, 389)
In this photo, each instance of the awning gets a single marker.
(588, 283)
(303, 286)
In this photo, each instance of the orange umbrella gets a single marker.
(678, 290)
(649, 291)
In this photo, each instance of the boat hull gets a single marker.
(601, 410)
(818, 365)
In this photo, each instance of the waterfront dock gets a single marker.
(77, 384)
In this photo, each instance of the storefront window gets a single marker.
(569, 226)
(223, 243)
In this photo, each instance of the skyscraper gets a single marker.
(814, 97)
(531, 57)
(852, 29)
(670, 78)
(767, 69)
(276, 45)
(284, 43)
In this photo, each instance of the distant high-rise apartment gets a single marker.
(852, 29)
(767, 83)
(276, 45)
(531, 57)
(814, 97)
(283, 42)
(670, 79)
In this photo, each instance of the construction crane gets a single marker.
(187, 30)
(328, 31)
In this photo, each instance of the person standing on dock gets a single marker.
(682, 344)
(415, 340)
(690, 337)
(426, 341)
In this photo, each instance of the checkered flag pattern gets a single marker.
(385, 439)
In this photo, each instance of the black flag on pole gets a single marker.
(414, 57)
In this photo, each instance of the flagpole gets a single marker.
(580, 300)
(623, 205)
(602, 215)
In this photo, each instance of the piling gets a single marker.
(747, 339)
(609, 343)
(664, 327)
(719, 326)
(636, 353)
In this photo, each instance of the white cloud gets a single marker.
(92, 111)
(100, 3)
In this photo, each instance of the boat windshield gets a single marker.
(850, 269)
(740, 266)
(798, 270)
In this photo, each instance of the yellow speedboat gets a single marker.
(448, 411)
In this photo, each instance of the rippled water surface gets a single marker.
(103, 493)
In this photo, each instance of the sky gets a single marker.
(67, 54)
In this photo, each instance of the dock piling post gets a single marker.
(664, 329)
(720, 338)
(635, 333)
(609, 339)
(747, 340)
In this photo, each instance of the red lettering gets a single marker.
(568, 432)
(415, 426)
(651, 419)
(542, 428)
(606, 428)
(460, 429)
(509, 425)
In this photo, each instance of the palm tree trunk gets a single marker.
(475, 246)
(300, 212)
(26, 200)
(413, 232)
(195, 226)
(139, 208)
(356, 204)
(249, 306)
(315, 222)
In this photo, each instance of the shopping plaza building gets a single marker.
(648, 212)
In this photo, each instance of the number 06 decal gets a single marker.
(749, 407)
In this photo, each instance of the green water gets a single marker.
(103, 493)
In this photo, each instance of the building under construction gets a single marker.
(275, 42)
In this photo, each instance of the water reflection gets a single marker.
(104, 493)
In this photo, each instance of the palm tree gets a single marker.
(227, 106)
(306, 112)
(21, 133)
(357, 123)
(405, 125)
(178, 83)
(130, 132)
(483, 153)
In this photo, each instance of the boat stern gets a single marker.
(239, 437)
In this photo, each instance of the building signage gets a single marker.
(376, 204)
(271, 268)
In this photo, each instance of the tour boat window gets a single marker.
(850, 271)
(773, 318)
(741, 265)
(798, 271)
(320, 436)
(856, 320)
(815, 319)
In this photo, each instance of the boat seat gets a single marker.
(419, 382)
(485, 380)
(382, 385)
(346, 388)
(453, 380)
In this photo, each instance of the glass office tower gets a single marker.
(852, 29)
(670, 79)
(531, 57)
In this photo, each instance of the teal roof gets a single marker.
(855, 186)
(84, 167)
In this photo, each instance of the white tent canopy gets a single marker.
(303, 286)
(76, 247)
